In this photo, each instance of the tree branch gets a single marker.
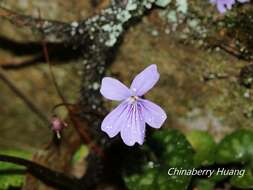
(48, 176)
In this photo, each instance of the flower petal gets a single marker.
(221, 8)
(145, 80)
(224, 5)
(134, 129)
(113, 89)
(153, 114)
(113, 122)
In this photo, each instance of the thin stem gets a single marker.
(45, 51)
(84, 135)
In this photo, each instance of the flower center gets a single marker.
(133, 99)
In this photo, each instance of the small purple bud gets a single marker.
(58, 125)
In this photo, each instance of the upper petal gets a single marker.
(145, 80)
(224, 5)
(113, 89)
(133, 131)
(153, 114)
(229, 3)
(112, 123)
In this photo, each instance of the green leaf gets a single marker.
(217, 178)
(245, 181)
(171, 150)
(11, 180)
(176, 152)
(236, 147)
(204, 184)
(18, 153)
(144, 180)
(204, 146)
(80, 154)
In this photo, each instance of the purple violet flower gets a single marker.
(130, 116)
(224, 5)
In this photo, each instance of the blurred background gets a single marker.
(204, 59)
